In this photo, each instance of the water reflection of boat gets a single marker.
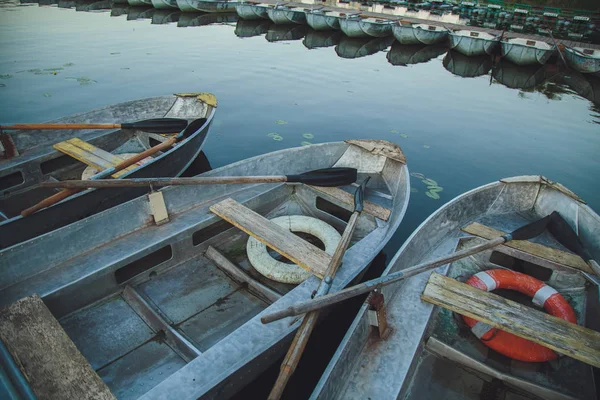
(525, 51)
(467, 67)
(249, 28)
(583, 59)
(286, 15)
(519, 77)
(408, 54)
(47, 2)
(209, 6)
(93, 6)
(201, 19)
(357, 27)
(134, 13)
(323, 20)
(361, 47)
(473, 43)
(317, 39)
(161, 17)
(119, 9)
(67, 3)
(251, 11)
(139, 3)
(165, 4)
(279, 33)
(409, 33)
(587, 86)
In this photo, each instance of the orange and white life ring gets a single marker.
(542, 295)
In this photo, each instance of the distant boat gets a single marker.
(318, 39)
(249, 11)
(465, 66)
(409, 54)
(519, 76)
(473, 43)
(245, 28)
(209, 6)
(356, 27)
(283, 15)
(361, 47)
(323, 20)
(526, 52)
(164, 4)
(282, 33)
(584, 60)
(409, 33)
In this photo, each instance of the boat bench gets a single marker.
(48, 359)
(91, 155)
(555, 333)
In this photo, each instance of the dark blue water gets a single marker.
(460, 132)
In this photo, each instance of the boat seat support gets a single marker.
(377, 314)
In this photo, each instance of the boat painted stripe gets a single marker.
(480, 329)
(489, 282)
(543, 294)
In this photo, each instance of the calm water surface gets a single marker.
(460, 132)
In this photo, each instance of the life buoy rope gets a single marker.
(279, 271)
(542, 295)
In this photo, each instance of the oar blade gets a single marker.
(531, 230)
(563, 232)
(326, 177)
(158, 125)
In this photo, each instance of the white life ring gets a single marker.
(88, 172)
(291, 273)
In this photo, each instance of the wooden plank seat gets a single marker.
(555, 333)
(299, 251)
(539, 250)
(91, 155)
(53, 366)
(346, 200)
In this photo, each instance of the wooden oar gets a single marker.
(558, 49)
(155, 125)
(318, 177)
(294, 354)
(49, 201)
(525, 232)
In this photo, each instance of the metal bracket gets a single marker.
(377, 314)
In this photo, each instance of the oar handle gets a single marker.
(59, 126)
(160, 182)
(365, 287)
(107, 172)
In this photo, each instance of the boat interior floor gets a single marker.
(142, 306)
(484, 373)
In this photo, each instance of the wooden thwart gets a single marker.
(536, 249)
(45, 354)
(557, 334)
(348, 202)
(307, 256)
(91, 155)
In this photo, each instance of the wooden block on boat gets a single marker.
(307, 256)
(536, 249)
(557, 334)
(91, 155)
(45, 354)
(348, 202)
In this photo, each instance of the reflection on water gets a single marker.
(319, 39)
(521, 77)
(279, 33)
(166, 16)
(203, 19)
(140, 12)
(403, 54)
(467, 67)
(249, 28)
(361, 47)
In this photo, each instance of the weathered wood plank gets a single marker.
(557, 334)
(536, 249)
(90, 148)
(240, 276)
(45, 354)
(347, 201)
(307, 256)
